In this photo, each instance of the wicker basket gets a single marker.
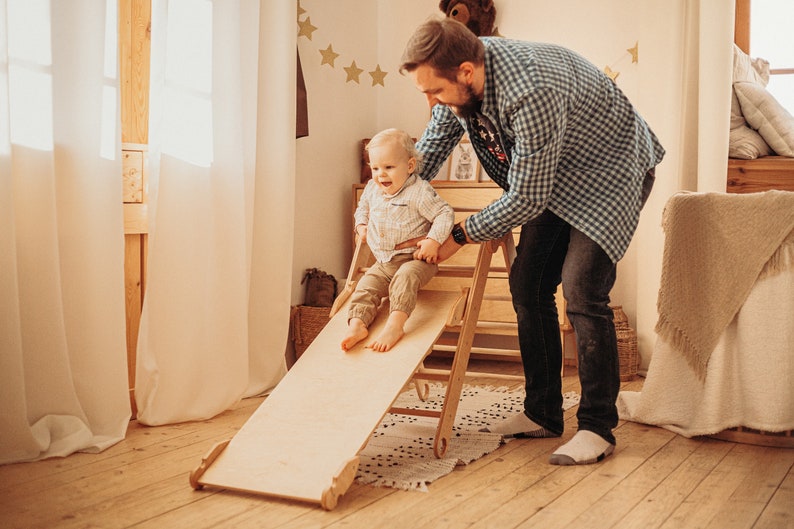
(627, 345)
(306, 322)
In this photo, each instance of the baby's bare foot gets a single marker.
(391, 333)
(389, 336)
(356, 331)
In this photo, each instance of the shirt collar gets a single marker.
(408, 181)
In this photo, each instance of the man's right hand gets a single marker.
(445, 251)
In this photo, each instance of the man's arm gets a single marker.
(447, 249)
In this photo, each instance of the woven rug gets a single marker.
(400, 452)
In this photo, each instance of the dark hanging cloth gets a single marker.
(302, 114)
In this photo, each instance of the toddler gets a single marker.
(395, 206)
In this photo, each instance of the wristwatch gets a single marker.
(458, 235)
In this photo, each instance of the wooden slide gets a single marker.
(303, 440)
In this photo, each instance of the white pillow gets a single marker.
(747, 144)
(763, 112)
(745, 68)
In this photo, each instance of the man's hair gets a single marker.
(443, 44)
(402, 139)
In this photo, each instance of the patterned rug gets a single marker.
(400, 452)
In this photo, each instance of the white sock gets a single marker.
(519, 425)
(584, 448)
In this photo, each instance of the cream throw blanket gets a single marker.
(716, 246)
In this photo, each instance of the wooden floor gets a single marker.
(654, 479)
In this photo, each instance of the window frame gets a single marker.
(741, 33)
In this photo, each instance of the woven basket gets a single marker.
(306, 322)
(627, 345)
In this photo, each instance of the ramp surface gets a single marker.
(303, 440)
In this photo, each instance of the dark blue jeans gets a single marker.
(550, 251)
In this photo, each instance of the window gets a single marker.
(763, 29)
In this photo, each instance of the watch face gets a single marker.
(457, 235)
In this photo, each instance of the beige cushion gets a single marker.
(745, 68)
(766, 115)
(747, 144)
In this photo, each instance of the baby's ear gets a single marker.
(411, 164)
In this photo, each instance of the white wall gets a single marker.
(343, 113)
(340, 114)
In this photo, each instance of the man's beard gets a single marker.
(470, 107)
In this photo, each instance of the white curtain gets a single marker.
(222, 143)
(63, 369)
(685, 97)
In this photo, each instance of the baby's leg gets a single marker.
(364, 306)
(403, 289)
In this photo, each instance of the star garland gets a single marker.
(634, 52)
(329, 56)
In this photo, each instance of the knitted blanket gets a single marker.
(716, 246)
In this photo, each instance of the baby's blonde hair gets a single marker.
(403, 139)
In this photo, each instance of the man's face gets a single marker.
(458, 96)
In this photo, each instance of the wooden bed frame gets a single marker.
(761, 174)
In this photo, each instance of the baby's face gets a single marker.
(391, 166)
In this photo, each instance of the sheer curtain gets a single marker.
(686, 98)
(222, 144)
(63, 371)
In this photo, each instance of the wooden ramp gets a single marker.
(303, 440)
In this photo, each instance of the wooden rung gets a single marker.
(504, 325)
(443, 374)
(479, 350)
(412, 411)
(467, 269)
(458, 271)
(491, 325)
(494, 297)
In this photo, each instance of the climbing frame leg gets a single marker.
(460, 360)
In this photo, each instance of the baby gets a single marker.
(395, 206)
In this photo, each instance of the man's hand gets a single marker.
(428, 250)
(445, 251)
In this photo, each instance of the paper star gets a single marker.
(329, 55)
(377, 76)
(300, 10)
(635, 52)
(612, 75)
(353, 72)
(306, 28)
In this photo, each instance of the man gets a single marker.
(576, 163)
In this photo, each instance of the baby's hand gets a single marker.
(361, 232)
(428, 250)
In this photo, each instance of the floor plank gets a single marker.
(655, 479)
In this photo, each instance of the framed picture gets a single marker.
(463, 163)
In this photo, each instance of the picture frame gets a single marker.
(464, 166)
(443, 172)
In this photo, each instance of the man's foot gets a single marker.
(519, 426)
(356, 331)
(585, 448)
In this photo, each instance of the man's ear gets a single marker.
(466, 72)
